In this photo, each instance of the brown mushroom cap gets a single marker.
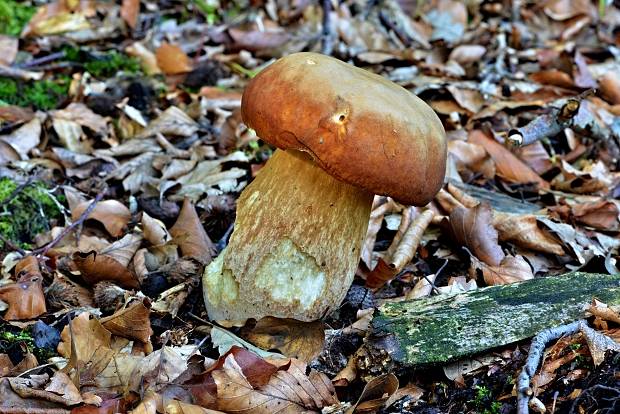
(360, 127)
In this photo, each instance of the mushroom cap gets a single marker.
(358, 126)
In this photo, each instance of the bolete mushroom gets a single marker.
(343, 134)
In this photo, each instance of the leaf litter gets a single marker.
(144, 154)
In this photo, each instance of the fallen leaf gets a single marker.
(130, 10)
(25, 297)
(62, 385)
(508, 166)
(87, 346)
(111, 213)
(24, 138)
(301, 340)
(406, 248)
(473, 228)
(471, 157)
(466, 54)
(173, 121)
(172, 60)
(154, 230)
(131, 322)
(512, 269)
(147, 59)
(523, 230)
(290, 390)
(191, 236)
(375, 394)
(593, 178)
(96, 268)
(610, 87)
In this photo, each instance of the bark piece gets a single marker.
(446, 328)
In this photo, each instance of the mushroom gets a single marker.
(343, 134)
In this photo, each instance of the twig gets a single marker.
(596, 340)
(11, 72)
(12, 245)
(43, 250)
(45, 59)
(327, 37)
(16, 192)
(533, 360)
(572, 114)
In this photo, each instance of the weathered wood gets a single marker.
(446, 328)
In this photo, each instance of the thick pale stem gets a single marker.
(295, 247)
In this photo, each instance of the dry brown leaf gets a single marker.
(25, 297)
(466, 54)
(59, 17)
(523, 230)
(508, 166)
(190, 235)
(553, 77)
(83, 116)
(602, 215)
(97, 268)
(24, 138)
(295, 339)
(567, 9)
(406, 217)
(592, 178)
(154, 230)
(87, 346)
(473, 228)
(471, 157)
(123, 250)
(254, 40)
(62, 385)
(407, 247)
(145, 56)
(512, 269)
(130, 10)
(610, 87)
(172, 60)
(381, 207)
(111, 213)
(375, 394)
(131, 322)
(290, 390)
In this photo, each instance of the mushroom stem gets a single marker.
(295, 246)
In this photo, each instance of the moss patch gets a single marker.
(43, 94)
(26, 214)
(445, 328)
(105, 64)
(14, 16)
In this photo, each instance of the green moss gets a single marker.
(102, 65)
(8, 339)
(483, 401)
(43, 94)
(28, 213)
(14, 16)
(445, 328)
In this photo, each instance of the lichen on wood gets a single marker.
(445, 328)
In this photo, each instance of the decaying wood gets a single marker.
(446, 328)
(295, 246)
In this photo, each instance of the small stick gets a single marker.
(327, 37)
(45, 59)
(43, 250)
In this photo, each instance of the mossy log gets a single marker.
(445, 328)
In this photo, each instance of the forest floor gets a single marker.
(123, 153)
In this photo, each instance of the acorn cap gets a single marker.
(359, 127)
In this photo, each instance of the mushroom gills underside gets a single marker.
(295, 246)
